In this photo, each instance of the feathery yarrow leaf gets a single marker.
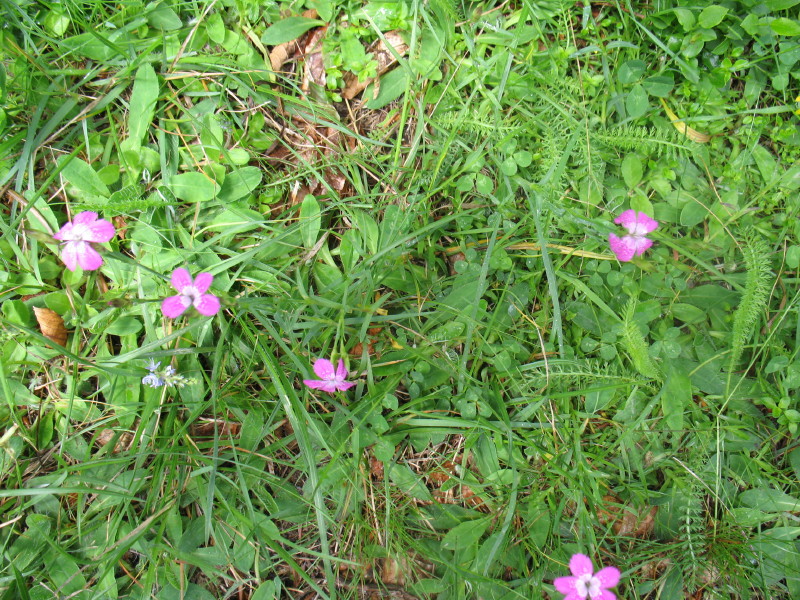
(636, 345)
(754, 298)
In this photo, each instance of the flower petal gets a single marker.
(608, 576)
(207, 305)
(181, 278)
(174, 306)
(343, 386)
(605, 595)
(88, 258)
(641, 244)
(341, 371)
(628, 220)
(624, 248)
(87, 217)
(325, 386)
(203, 281)
(565, 585)
(580, 564)
(645, 224)
(637, 223)
(64, 233)
(99, 231)
(324, 369)
(69, 254)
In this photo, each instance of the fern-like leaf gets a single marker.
(636, 345)
(129, 199)
(754, 298)
(656, 140)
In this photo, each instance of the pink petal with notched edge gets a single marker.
(64, 232)
(325, 386)
(344, 385)
(605, 595)
(100, 231)
(323, 368)
(207, 305)
(174, 306)
(69, 254)
(623, 248)
(637, 223)
(641, 244)
(627, 219)
(85, 218)
(88, 258)
(341, 371)
(608, 576)
(645, 224)
(580, 564)
(181, 278)
(203, 281)
(565, 585)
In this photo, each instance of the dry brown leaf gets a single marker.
(314, 69)
(106, 436)
(627, 520)
(385, 58)
(211, 428)
(376, 468)
(51, 325)
(692, 134)
(280, 54)
(393, 572)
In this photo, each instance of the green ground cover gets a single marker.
(425, 191)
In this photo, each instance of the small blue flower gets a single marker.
(153, 380)
(167, 376)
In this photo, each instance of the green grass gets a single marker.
(522, 396)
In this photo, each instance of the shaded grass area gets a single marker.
(521, 395)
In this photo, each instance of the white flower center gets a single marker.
(191, 293)
(639, 229)
(588, 586)
(78, 233)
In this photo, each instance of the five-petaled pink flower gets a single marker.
(638, 225)
(330, 379)
(583, 584)
(77, 237)
(190, 293)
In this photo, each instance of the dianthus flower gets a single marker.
(638, 225)
(190, 293)
(77, 237)
(330, 379)
(584, 583)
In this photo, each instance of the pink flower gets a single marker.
(638, 225)
(190, 293)
(330, 380)
(583, 584)
(77, 237)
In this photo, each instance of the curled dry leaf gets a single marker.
(385, 58)
(692, 134)
(51, 325)
(280, 54)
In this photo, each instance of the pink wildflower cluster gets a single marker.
(78, 238)
(584, 583)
